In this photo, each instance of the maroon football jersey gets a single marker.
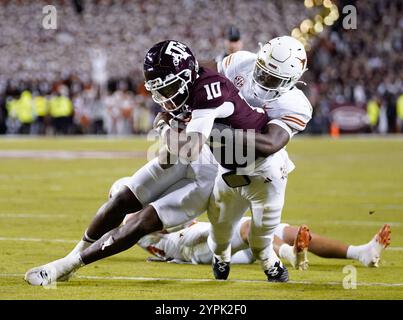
(211, 90)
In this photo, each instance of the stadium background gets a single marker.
(85, 78)
(94, 59)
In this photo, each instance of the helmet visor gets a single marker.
(169, 90)
(267, 80)
(171, 96)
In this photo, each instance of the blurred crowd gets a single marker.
(361, 66)
(70, 106)
(86, 75)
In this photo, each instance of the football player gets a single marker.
(157, 193)
(188, 243)
(268, 80)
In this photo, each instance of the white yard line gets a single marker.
(37, 240)
(330, 283)
(64, 154)
(236, 280)
(30, 215)
(333, 283)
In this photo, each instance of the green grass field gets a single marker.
(45, 205)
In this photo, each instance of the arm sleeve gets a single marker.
(283, 125)
(202, 122)
(203, 119)
(297, 111)
(297, 122)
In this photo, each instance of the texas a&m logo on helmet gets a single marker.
(170, 68)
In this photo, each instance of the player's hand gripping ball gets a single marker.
(162, 116)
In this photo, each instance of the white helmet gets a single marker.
(280, 64)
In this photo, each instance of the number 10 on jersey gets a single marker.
(213, 90)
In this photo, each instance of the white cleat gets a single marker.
(41, 276)
(58, 270)
(371, 255)
(300, 247)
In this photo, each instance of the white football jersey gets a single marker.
(292, 110)
(162, 245)
(189, 244)
(177, 245)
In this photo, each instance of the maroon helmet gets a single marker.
(170, 68)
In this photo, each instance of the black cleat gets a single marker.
(220, 269)
(277, 273)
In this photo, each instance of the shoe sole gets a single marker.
(301, 245)
(383, 236)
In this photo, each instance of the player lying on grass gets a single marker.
(291, 243)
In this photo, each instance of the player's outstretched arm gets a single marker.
(265, 144)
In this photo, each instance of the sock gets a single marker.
(287, 252)
(74, 261)
(80, 247)
(354, 252)
(225, 255)
(64, 268)
(368, 254)
(268, 257)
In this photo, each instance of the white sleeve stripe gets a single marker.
(282, 125)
